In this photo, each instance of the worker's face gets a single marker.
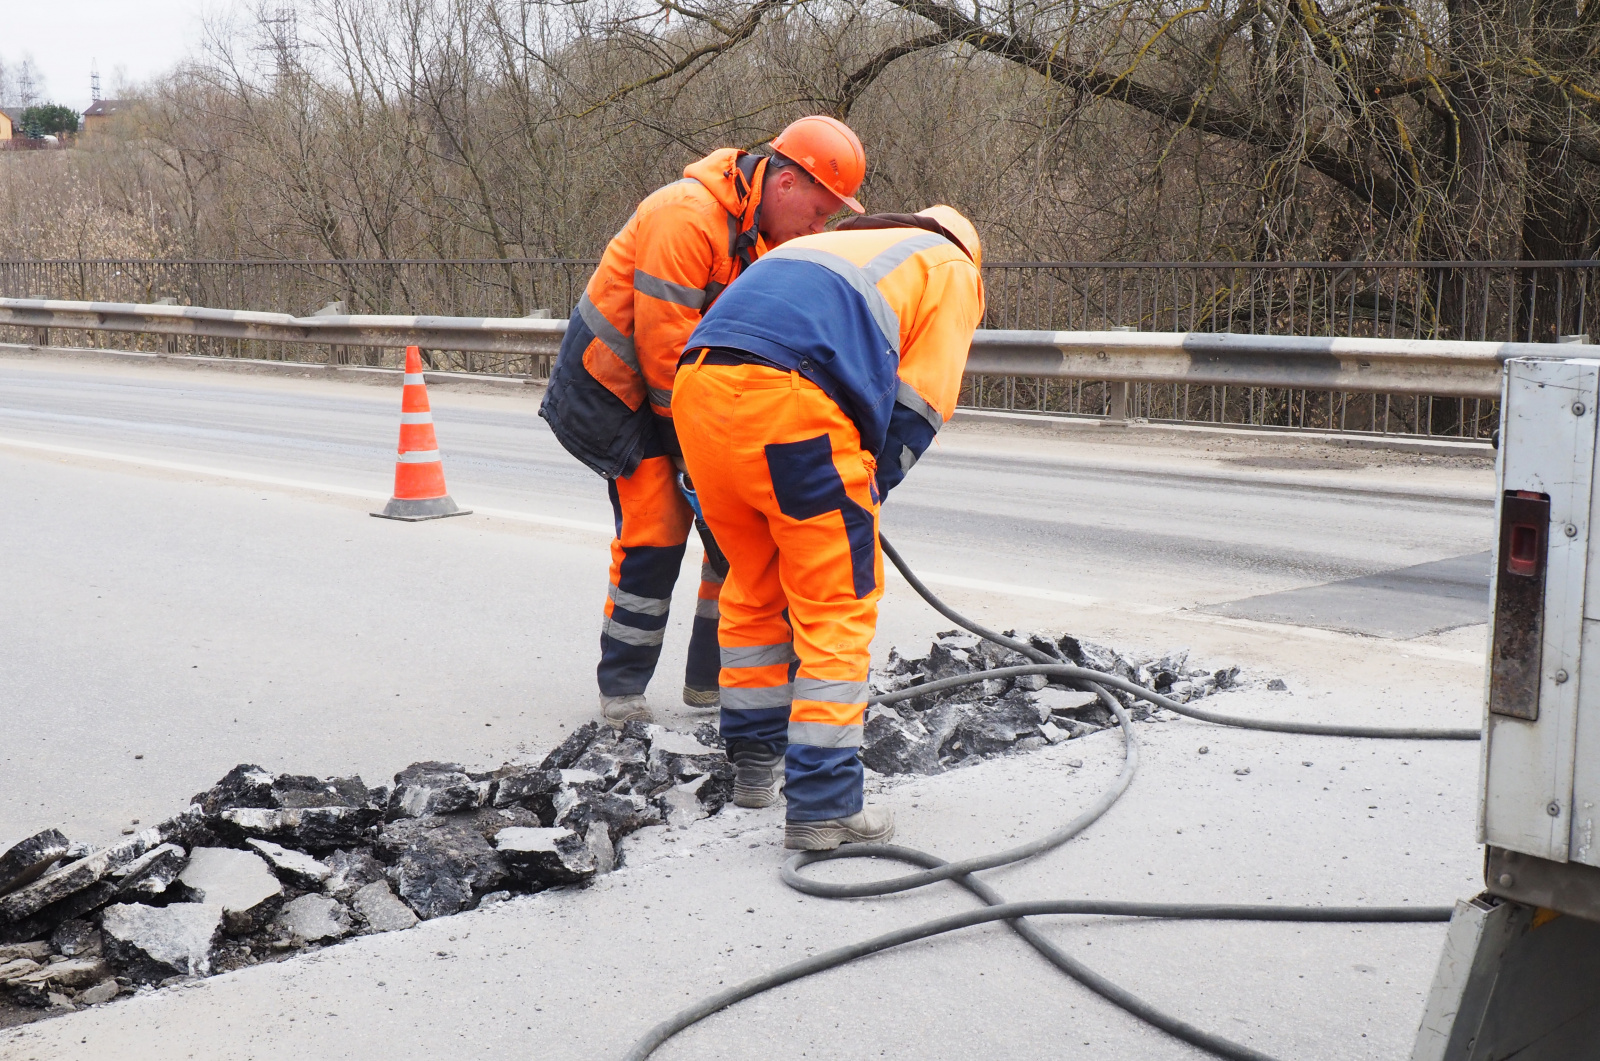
(792, 204)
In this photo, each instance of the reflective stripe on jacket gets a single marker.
(880, 319)
(683, 245)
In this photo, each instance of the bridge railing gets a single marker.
(1527, 302)
(1159, 363)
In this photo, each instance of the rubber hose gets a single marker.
(1066, 670)
(790, 873)
(832, 959)
(956, 617)
(1014, 914)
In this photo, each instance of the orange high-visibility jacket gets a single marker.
(682, 246)
(880, 319)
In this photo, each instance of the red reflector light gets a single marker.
(1524, 558)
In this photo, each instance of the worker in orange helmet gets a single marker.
(805, 395)
(610, 396)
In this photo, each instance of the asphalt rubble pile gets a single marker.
(261, 865)
(939, 731)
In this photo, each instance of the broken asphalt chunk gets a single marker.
(314, 829)
(74, 972)
(246, 785)
(612, 757)
(240, 882)
(996, 728)
(621, 814)
(25, 862)
(297, 790)
(37, 951)
(567, 752)
(295, 867)
(151, 874)
(104, 991)
(11, 968)
(155, 942)
(546, 858)
(428, 788)
(440, 866)
(895, 745)
(349, 871)
(76, 876)
(76, 939)
(380, 910)
(531, 787)
(311, 919)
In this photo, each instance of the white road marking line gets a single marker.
(259, 479)
(552, 521)
(1077, 600)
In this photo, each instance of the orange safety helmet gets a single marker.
(826, 148)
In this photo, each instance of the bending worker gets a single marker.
(806, 394)
(610, 396)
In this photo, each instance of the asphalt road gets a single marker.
(1168, 523)
(192, 581)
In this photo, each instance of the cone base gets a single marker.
(416, 511)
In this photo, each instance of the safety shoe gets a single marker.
(870, 825)
(702, 697)
(757, 773)
(620, 710)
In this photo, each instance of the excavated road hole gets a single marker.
(262, 866)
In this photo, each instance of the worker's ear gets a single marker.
(785, 179)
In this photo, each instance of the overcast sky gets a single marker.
(65, 38)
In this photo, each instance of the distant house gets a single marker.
(10, 123)
(101, 112)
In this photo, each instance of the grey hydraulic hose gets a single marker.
(659, 1034)
(956, 617)
(941, 870)
(1014, 915)
(1063, 670)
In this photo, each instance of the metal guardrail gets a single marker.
(1454, 368)
(496, 335)
(1389, 366)
(1483, 301)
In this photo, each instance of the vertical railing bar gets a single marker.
(1561, 303)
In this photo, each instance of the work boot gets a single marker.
(757, 773)
(620, 710)
(704, 698)
(870, 825)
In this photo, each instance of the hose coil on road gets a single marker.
(934, 869)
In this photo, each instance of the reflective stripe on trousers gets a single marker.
(652, 524)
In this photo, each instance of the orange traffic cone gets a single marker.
(419, 491)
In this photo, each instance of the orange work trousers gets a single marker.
(789, 494)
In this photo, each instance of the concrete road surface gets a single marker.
(192, 581)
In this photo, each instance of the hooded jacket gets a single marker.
(610, 396)
(880, 318)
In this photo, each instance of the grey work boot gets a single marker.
(702, 697)
(620, 710)
(757, 773)
(870, 825)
